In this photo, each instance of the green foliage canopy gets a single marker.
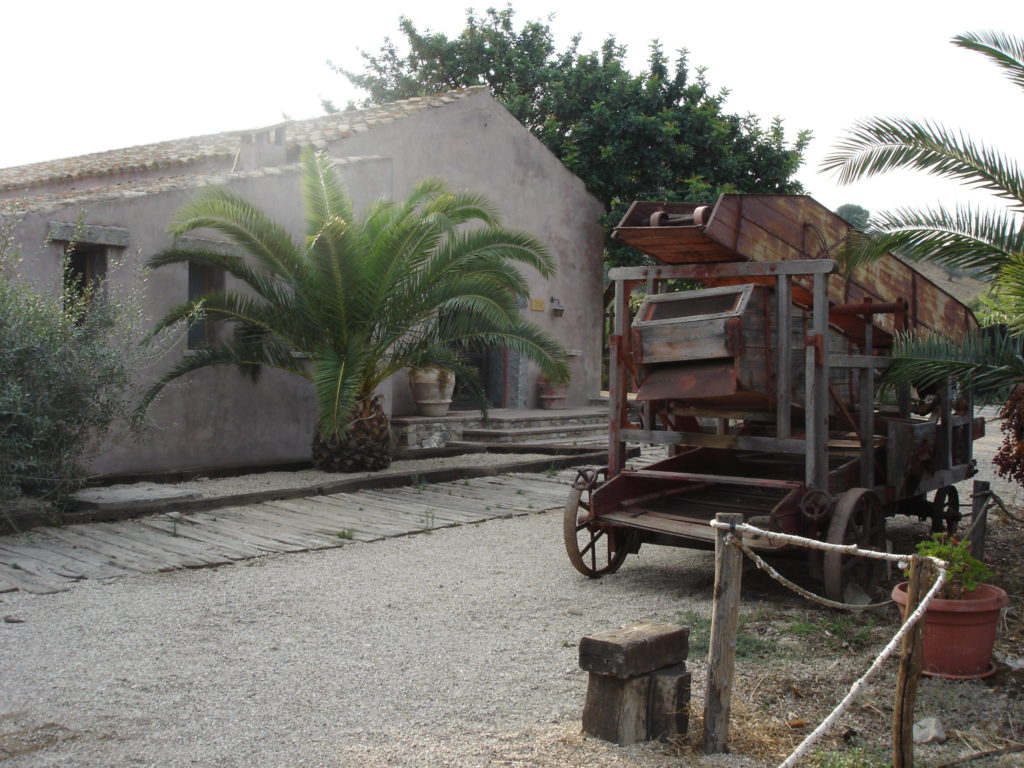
(655, 135)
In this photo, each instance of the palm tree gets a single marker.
(409, 284)
(991, 242)
(967, 236)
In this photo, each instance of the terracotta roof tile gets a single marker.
(43, 202)
(183, 152)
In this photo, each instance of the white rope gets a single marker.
(800, 541)
(851, 549)
(760, 563)
(827, 723)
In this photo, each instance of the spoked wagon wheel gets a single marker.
(857, 519)
(593, 550)
(946, 516)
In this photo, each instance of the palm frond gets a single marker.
(322, 192)
(880, 145)
(244, 352)
(243, 224)
(989, 361)
(1005, 50)
(966, 237)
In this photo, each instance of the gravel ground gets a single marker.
(455, 648)
(450, 649)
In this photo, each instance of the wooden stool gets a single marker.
(639, 688)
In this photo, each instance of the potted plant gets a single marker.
(432, 389)
(552, 392)
(960, 622)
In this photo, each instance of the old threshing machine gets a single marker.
(763, 384)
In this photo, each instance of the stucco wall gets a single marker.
(221, 418)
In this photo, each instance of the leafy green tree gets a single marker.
(359, 299)
(854, 214)
(67, 362)
(660, 134)
(989, 241)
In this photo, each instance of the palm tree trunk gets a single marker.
(363, 447)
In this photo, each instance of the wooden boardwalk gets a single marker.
(46, 560)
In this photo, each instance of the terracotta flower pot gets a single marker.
(432, 390)
(959, 634)
(552, 396)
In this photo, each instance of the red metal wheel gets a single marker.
(593, 550)
(857, 519)
(946, 517)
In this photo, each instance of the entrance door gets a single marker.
(491, 364)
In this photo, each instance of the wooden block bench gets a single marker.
(639, 688)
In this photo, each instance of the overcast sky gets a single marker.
(83, 77)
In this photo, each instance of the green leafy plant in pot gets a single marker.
(960, 622)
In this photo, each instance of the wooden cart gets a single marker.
(763, 384)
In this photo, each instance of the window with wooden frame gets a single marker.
(203, 280)
(85, 268)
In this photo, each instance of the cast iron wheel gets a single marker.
(857, 519)
(947, 515)
(593, 550)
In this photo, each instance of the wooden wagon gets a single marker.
(763, 384)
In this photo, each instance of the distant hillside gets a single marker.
(962, 287)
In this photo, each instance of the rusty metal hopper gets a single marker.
(771, 228)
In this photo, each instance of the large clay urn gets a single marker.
(432, 390)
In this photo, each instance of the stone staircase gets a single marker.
(503, 427)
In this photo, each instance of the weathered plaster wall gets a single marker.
(219, 417)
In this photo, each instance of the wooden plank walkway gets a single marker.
(46, 560)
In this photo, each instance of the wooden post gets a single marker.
(946, 424)
(909, 671)
(866, 402)
(617, 382)
(722, 653)
(816, 382)
(979, 517)
(784, 354)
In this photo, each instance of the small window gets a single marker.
(203, 280)
(85, 268)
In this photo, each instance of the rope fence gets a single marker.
(733, 536)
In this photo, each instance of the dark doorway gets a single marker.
(491, 364)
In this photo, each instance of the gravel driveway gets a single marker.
(455, 648)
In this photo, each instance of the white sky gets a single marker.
(82, 77)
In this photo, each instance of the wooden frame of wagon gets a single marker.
(874, 462)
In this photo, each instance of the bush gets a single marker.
(66, 372)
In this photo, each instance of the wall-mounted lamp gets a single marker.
(557, 308)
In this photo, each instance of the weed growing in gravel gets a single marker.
(427, 520)
(841, 631)
(345, 533)
(551, 471)
(854, 757)
(748, 644)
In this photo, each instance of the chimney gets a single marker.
(261, 147)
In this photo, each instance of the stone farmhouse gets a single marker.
(119, 203)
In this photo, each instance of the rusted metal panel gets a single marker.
(767, 228)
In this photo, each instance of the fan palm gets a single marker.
(991, 242)
(409, 284)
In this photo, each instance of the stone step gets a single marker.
(560, 433)
(414, 432)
